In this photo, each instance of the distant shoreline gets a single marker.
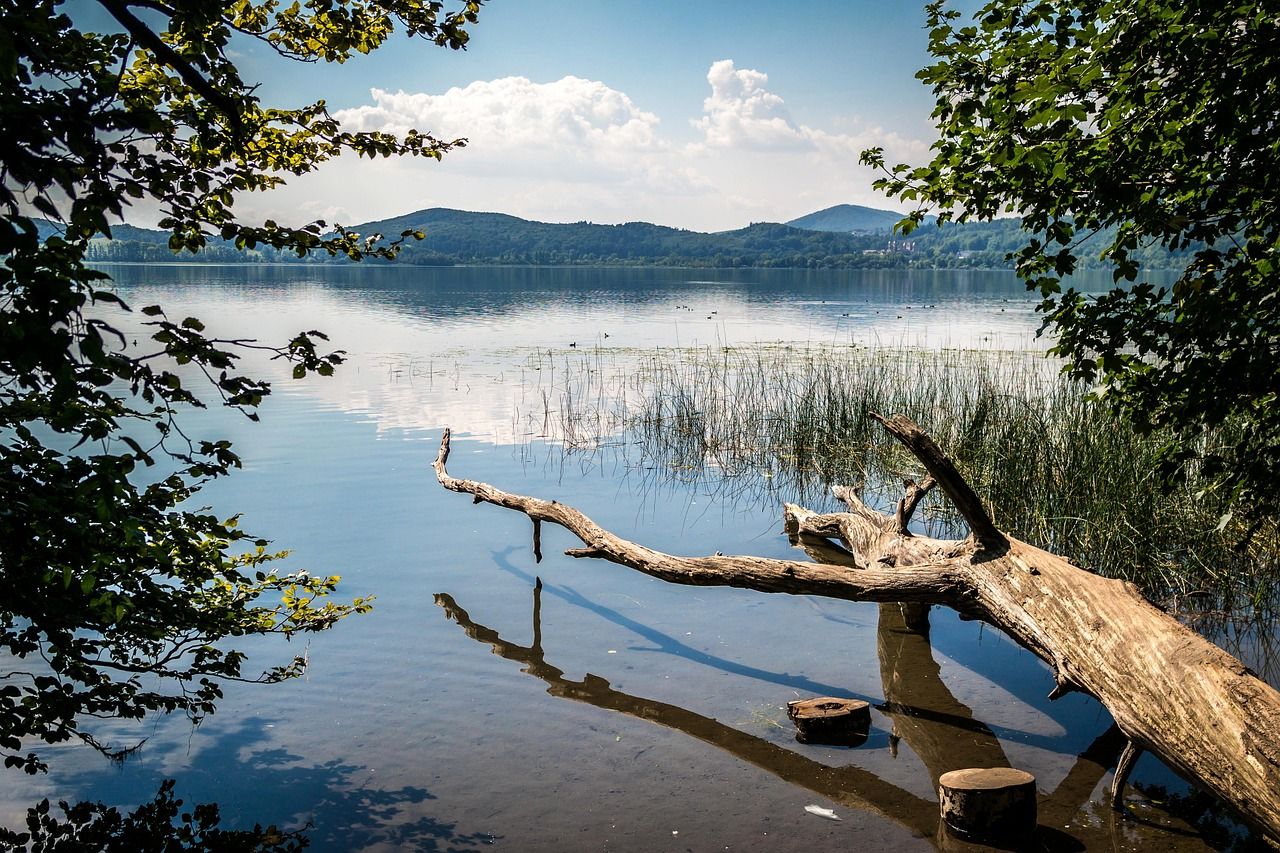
(455, 238)
(381, 264)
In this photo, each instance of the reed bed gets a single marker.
(771, 422)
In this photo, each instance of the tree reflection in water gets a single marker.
(330, 803)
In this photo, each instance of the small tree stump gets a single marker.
(996, 803)
(831, 721)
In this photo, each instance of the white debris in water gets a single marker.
(821, 812)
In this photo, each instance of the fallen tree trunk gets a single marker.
(1170, 691)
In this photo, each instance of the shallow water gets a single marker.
(605, 710)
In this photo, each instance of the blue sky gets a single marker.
(841, 56)
(706, 115)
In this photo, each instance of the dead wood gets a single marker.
(1170, 691)
(831, 720)
(995, 803)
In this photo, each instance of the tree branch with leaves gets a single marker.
(1153, 122)
(116, 597)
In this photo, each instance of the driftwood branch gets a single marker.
(942, 469)
(916, 583)
(1170, 691)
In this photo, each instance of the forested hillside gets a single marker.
(849, 218)
(461, 237)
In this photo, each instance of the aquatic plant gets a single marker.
(770, 421)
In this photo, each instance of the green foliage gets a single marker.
(1152, 123)
(480, 238)
(153, 826)
(460, 237)
(116, 594)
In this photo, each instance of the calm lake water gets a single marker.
(608, 711)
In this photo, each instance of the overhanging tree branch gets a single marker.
(190, 75)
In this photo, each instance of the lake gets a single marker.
(601, 709)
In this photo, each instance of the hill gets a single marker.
(455, 236)
(849, 219)
(462, 237)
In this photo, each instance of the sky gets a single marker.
(703, 115)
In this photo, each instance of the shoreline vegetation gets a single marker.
(462, 238)
(762, 423)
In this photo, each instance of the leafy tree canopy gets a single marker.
(1156, 118)
(114, 592)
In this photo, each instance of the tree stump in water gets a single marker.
(831, 721)
(990, 804)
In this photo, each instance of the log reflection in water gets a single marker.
(850, 786)
(1070, 820)
(925, 713)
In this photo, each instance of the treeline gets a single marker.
(470, 238)
(158, 252)
(458, 237)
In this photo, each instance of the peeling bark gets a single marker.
(1170, 691)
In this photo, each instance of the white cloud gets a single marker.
(742, 113)
(576, 149)
(515, 125)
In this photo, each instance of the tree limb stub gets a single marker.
(1168, 689)
(907, 505)
(1124, 766)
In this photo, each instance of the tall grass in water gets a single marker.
(1055, 469)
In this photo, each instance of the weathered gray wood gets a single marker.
(989, 804)
(1169, 690)
(759, 573)
(942, 469)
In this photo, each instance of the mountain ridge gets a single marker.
(456, 237)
